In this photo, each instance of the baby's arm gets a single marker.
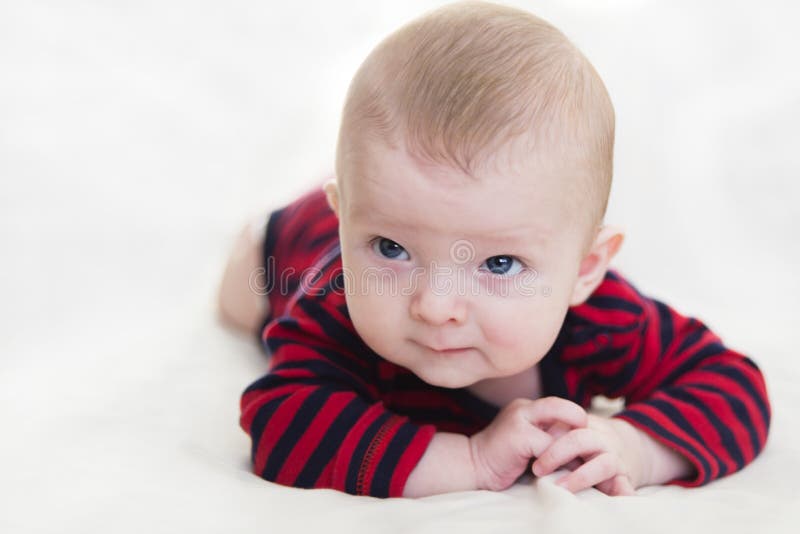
(316, 419)
(315, 423)
(686, 393)
(445, 467)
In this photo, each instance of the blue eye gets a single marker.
(388, 248)
(503, 265)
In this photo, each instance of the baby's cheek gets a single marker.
(373, 320)
(518, 335)
(507, 332)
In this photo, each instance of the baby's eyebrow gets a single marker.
(512, 240)
(491, 240)
(518, 236)
(514, 237)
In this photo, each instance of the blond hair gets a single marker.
(463, 80)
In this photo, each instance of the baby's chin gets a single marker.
(450, 383)
(459, 373)
(446, 378)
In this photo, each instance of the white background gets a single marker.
(136, 138)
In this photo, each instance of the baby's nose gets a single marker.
(437, 305)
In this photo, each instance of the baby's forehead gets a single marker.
(511, 170)
(393, 190)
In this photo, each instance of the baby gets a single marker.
(440, 314)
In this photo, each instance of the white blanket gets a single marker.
(136, 137)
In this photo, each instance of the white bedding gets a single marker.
(136, 137)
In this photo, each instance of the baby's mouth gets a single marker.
(444, 350)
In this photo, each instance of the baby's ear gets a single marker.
(594, 266)
(332, 194)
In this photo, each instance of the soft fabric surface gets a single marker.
(136, 138)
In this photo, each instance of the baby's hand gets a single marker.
(501, 452)
(612, 464)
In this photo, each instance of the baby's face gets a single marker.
(455, 278)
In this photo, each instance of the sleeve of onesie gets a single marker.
(681, 384)
(315, 419)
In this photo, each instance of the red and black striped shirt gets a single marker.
(331, 413)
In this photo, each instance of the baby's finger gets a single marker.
(534, 441)
(579, 442)
(618, 485)
(606, 486)
(622, 486)
(597, 470)
(571, 466)
(552, 409)
(558, 429)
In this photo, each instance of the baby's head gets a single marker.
(473, 171)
